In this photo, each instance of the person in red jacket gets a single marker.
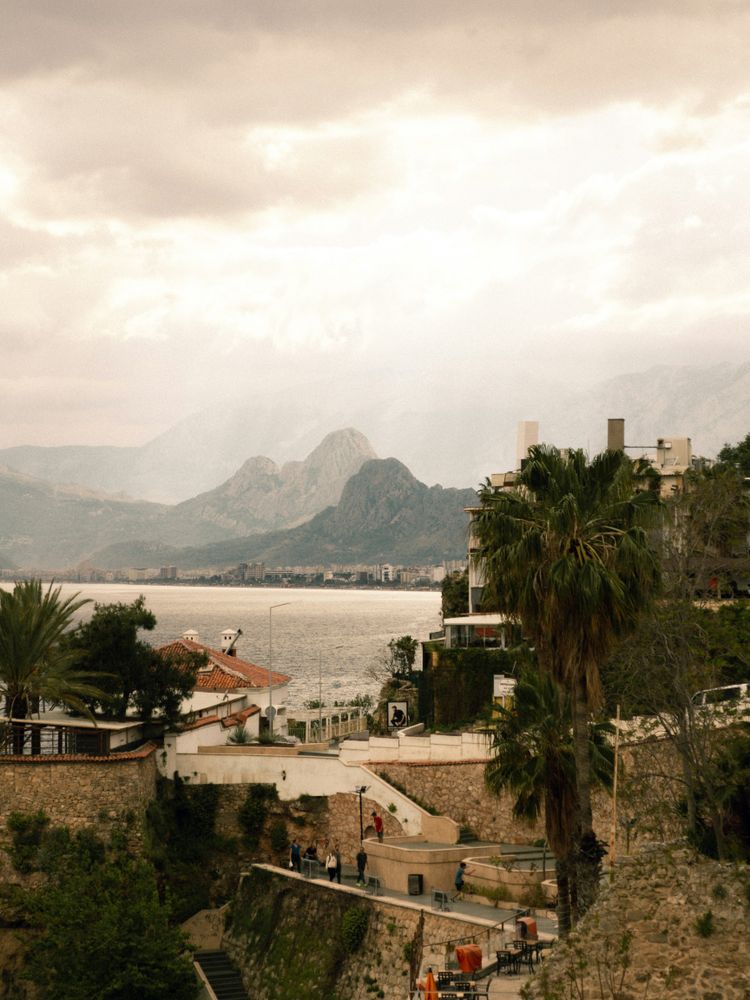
(377, 822)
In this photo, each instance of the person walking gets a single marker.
(377, 822)
(337, 855)
(295, 856)
(331, 866)
(361, 865)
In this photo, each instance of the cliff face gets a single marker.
(672, 925)
(260, 496)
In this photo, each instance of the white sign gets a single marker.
(503, 686)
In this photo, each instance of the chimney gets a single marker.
(192, 635)
(229, 637)
(616, 434)
(528, 434)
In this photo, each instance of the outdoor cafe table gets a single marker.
(509, 959)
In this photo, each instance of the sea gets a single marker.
(334, 638)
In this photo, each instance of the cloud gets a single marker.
(434, 194)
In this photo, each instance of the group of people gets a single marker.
(295, 855)
(333, 855)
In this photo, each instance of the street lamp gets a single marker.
(360, 790)
(271, 711)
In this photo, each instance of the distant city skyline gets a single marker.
(362, 206)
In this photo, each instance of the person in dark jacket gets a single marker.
(361, 865)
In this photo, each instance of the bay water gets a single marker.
(335, 635)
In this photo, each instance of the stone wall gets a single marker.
(287, 936)
(672, 926)
(78, 792)
(649, 795)
(457, 789)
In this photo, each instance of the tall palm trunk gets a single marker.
(587, 855)
(562, 875)
(17, 708)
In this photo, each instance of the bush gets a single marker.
(704, 925)
(106, 934)
(26, 830)
(354, 928)
(254, 810)
(279, 836)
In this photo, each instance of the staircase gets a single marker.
(222, 976)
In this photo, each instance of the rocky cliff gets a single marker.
(672, 925)
(260, 496)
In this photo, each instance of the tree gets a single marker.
(105, 934)
(533, 757)
(132, 673)
(655, 674)
(402, 653)
(737, 455)
(454, 593)
(703, 534)
(35, 662)
(567, 551)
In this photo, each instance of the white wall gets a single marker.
(296, 775)
(435, 747)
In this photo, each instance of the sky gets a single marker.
(205, 198)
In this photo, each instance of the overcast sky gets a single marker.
(207, 197)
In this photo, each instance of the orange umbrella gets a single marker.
(430, 987)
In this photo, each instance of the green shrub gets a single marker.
(239, 735)
(354, 928)
(704, 925)
(26, 830)
(254, 810)
(279, 837)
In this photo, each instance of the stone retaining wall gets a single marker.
(78, 793)
(287, 937)
(458, 790)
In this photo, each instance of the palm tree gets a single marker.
(567, 552)
(533, 757)
(34, 663)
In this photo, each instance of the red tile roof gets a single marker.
(228, 722)
(78, 758)
(239, 718)
(223, 673)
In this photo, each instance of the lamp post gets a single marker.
(320, 690)
(360, 790)
(271, 710)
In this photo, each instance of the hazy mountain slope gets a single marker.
(48, 526)
(385, 515)
(709, 405)
(446, 435)
(261, 497)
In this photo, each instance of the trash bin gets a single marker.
(415, 885)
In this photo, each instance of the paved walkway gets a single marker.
(546, 920)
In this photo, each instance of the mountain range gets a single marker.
(384, 515)
(355, 507)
